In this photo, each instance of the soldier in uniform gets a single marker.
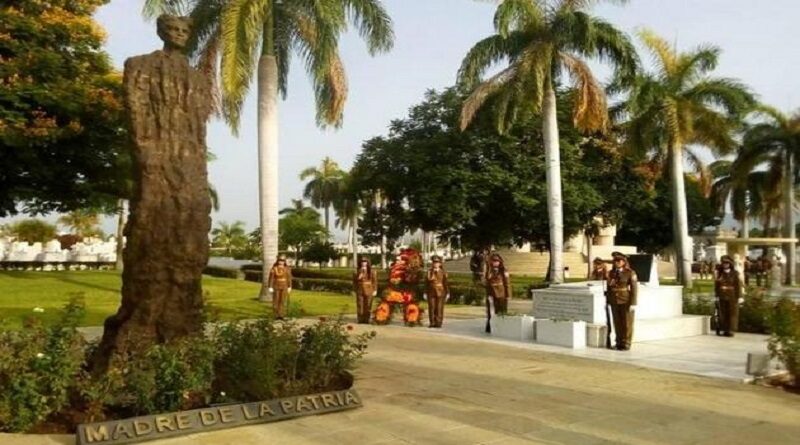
(621, 296)
(728, 290)
(498, 285)
(599, 271)
(437, 292)
(365, 282)
(280, 286)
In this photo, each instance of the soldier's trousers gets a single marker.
(363, 307)
(623, 324)
(500, 306)
(435, 311)
(279, 300)
(728, 315)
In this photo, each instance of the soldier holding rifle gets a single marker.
(728, 291)
(498, 289)
(621, 292)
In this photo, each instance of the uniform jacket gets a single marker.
(365, 282)
(497, 284)
(437, 285)
(623, 286)
(727, 285)
(280, 277)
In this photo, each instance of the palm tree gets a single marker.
(258, 37)
(545, 42)
(775, 142)
(728, 187)
(229, 236)
(324, 187)
(299, 207)
(348, 210)
(677, 105)
(83, 222)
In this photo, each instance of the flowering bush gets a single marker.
(784, 343)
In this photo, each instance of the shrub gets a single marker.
(784, 341)
(221, 272)
(38, 368)
(44, 382)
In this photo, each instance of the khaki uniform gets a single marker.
(728, 289)
(621, 295)
(365, 282)
(280, 280)
(498, 287)
(437, 290)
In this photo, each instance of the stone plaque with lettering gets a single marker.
(160, 426)
(562, 307)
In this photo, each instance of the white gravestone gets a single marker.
(52, 252)
(21, 251)
(514, 327)
(571, 334)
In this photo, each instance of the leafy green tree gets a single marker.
(545, 42)
(229, 236)
(324, 186)
(258, 37)
(300, 229)
(62, 138)
(481, 186)
(319, 252)
(32, 230)
(677, 105)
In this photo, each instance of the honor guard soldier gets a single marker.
(365, 282)
(498, 285)
(728, 290)
(437, 292)
(280, 286)
(599, 270)
(621, 296)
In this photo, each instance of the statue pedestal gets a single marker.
(659, 312)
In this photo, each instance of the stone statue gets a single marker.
(169, 103)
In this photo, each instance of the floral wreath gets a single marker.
(404, 277)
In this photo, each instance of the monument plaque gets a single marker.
(161, 426)
(562, 307)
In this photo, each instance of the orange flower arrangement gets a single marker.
(403, 279)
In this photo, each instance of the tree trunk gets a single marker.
(553, 174)
(788, 220)
(383, 252)
(167, 234)
(589, 264)
(681, 227)
(355, 241)
(268, 165)
(121, 221)
(745, 231)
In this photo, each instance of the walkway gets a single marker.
(424, 387)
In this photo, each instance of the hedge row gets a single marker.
(222, 272)
(754, 313)
(459, 293)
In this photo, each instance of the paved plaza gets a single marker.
(425, 387)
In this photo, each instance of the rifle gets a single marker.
(716, 317)
(489, 307)
(608, 318)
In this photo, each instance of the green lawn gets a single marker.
(20, 292)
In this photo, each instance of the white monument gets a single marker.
(659, 310)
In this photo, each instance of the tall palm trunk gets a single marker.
(680, 215)
(355, 241)
(268, 164)
(745, 231)
(788, 219)
(327, 219)
(121, 221)
(553, 174)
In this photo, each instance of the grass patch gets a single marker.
(20, 292)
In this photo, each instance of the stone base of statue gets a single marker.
(659, 313)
